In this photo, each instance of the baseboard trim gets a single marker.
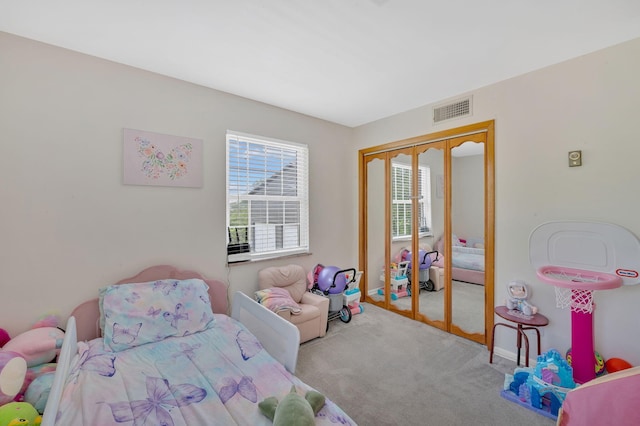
(511, 356)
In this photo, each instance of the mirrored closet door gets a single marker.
(431, 301)
(375, 184)
(426, 221)
(467, 225)
(389, 218)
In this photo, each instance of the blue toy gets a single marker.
(543, 388)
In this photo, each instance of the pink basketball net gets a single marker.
(574, 287)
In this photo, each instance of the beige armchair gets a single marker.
(312, 321)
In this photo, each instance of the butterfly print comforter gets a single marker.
(213, 377)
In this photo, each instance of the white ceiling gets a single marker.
(347, 61)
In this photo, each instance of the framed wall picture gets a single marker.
(163, 160)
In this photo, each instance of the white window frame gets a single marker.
(239, 172)
(424, 200)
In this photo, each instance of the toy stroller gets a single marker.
(331, 282)
(424, 258)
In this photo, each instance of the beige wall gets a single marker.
(70, 226)
(591, 104)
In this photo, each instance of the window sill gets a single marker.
(266, 258)
(408, 238)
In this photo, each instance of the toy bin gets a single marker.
(423, 275)
(335, 301)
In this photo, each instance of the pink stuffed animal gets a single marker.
(37, 346)
(28, 356)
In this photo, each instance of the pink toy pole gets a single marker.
(582, 348)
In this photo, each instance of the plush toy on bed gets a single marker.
(19, 414)
(293, 410)
(38, 345)
(36, 348)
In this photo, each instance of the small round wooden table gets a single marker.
(524, 323)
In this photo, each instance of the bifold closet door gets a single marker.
(374, 222)
(467, 236)
(430, 307)
(423, 194)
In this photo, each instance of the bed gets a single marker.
(467, 259)
(611, 399)
(158, 348)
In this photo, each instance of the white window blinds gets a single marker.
(401, 200)
(267, 197)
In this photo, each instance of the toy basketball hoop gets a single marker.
(575, 287)
(578, 258)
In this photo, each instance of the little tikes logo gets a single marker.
(627, 273)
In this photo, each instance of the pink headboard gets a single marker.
(87, 314)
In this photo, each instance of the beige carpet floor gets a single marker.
(385, 369)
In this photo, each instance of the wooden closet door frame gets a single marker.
(487, 127)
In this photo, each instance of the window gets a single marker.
(401, 201)
(267, 197)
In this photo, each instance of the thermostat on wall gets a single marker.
(575, 158)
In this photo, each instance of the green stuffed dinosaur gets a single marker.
(293, 410)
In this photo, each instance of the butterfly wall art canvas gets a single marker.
(164, 160)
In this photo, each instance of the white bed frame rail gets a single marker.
(278, 336)
(68, 351)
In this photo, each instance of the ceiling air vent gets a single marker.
(456, 109)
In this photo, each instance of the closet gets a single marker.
(428, 196)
